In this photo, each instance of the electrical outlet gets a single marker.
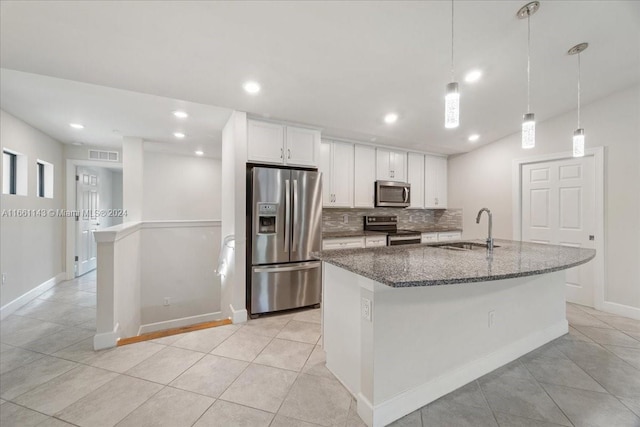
(492, 318)
(167, 301)
(366, 309)
(4, 278)
(410, 218)
(345, 219)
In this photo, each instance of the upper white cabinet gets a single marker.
(336, 165)
(391, 165)
(364, 176)
(435, 182)
(415, 177)
(279, 144)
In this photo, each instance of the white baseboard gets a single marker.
(178, 323)
(407, 402)
(238, 316)
(621, 310)
(29, 296)
(106, 339)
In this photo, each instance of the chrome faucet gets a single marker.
(489, 239)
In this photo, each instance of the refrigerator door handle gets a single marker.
(296, 228)
(284, 269)
(287, 215)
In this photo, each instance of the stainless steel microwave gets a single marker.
(393, 194)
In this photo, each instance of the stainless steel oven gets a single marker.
(393, 194)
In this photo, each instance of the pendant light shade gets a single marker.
(452, 97)
(528, 120)
(578, 134)
(452, 106)
(528, 131)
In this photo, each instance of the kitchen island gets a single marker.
(403, 326)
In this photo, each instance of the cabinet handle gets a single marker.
(281, 153)
(288, 153)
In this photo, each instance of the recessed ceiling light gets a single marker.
(180, 114)
(473, 76)
(178, 134)
(251, 87)
(391, 118)
(474, 137)
(199, 153)
(76, 125)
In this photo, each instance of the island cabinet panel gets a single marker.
(336, 165)
(415, 177)
(391, 165)
(435, 182)
(364, 176)
(275, 143)
(398, 349)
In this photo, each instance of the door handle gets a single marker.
(281, 152)
(288, 153)
(287, 214)
(296, 228)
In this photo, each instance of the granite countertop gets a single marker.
(362, 233)
(428, 265)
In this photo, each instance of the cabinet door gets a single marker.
(435, 182)
(415, 177)
(364, 176)
(397, 162)
(383, 165)
(325, 169)
(342, 174)
(343, 243)
(301, 148)
(265, 142)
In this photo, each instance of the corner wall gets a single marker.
(483, 178)
(32, 247)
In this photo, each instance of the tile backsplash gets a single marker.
(333, 219)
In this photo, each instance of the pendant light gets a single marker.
(529, 120)
(452, 98)
(578, 134)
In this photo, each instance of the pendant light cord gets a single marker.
(452, 75)
(579, 78)
(528, 62)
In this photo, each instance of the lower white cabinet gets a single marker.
(343, 243)
(429, 238)
(374, 241)
(449, 235)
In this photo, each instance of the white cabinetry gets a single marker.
(374, 241)
(343, 243)
(429, 238)
(284, 145)
(449, 235)
(435, 182)
(391, 165)
(415, 177)
(364, 176)
(336, 165)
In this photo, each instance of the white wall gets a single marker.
(116, 195)
(32, 248)
(482, 178)
(180, 187)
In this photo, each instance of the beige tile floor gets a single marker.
(270, 372)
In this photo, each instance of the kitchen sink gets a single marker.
(463, 246)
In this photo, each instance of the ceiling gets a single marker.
(340, 66)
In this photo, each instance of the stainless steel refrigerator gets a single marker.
(284, 227)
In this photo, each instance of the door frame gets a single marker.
(70, 193)
(598, 154)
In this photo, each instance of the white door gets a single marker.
(558, 207)
(397, 161)
(87, 205)
(383, 165)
